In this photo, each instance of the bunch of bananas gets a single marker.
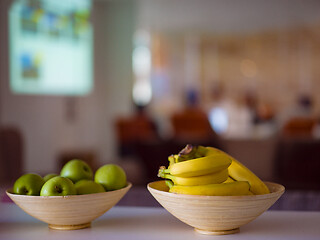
(199, 170)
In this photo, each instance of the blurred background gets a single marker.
(133, 81)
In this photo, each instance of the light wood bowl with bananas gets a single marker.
(69, 212)
(215, 215)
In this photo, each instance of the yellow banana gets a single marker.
(171, 159)
(206, 151)
(169, 183)
(217, 177)
(187, 153)
(236, 188)
(229, 179)
(200, 166)
(239, 172)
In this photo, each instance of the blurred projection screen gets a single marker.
(51, 47)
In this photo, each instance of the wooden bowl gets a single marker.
(68, 212)
(215, 215)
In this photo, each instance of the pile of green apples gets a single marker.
(76, 178)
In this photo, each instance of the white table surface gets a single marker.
(148, 223)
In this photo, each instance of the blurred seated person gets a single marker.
(265, 113)
(260, 111)
(138, 127)
(191, 124)
(231, 118)
(228, 117)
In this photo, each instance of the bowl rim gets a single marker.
(11, 194)
(245, 197)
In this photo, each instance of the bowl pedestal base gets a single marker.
(70, 227)
(217, 232)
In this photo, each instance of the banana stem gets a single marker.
(168, 176)
(166, 171)
(171, 160)
(163, 172)
(169, 183)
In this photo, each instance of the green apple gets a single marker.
(76, 170)
(28, 184)
(58, 186)
(111, 176)
(49, 176)
(88, 187)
